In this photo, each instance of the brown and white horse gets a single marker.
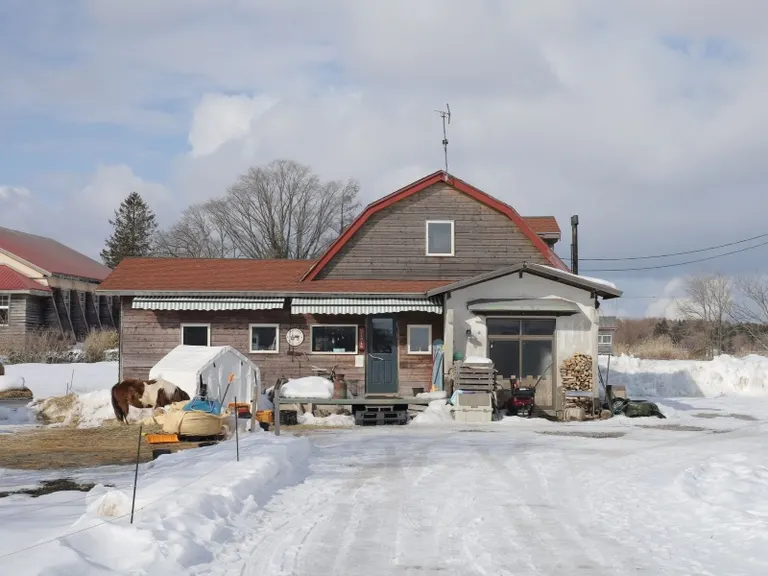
(144, 394)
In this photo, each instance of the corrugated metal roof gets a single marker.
(207, 303)
(12, 281)
(364, 305)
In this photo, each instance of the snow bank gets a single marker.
(308, 387)
(11, 383)
(433, 395)
(194, 507)
(438, 411)
(725, 374)
(45, 380)
(334, 420)
(88, 410)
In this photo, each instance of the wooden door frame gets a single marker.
(396, 347)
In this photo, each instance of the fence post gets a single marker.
(237, 434)
(136, 473)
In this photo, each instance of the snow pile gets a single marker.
(334, 420)
(88, 410)
(194, 507)
(11, 383)
(437, 412)
(725, 374)
(46, 380)
(605, 283)
(477, 360)
(433, 395)
(308, 387)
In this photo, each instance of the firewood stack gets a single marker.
(576, 374)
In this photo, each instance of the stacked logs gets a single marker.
(576, 374)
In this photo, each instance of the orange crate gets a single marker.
(264, 416)
(162, 438)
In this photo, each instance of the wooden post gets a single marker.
(136, 474)
(276, 413)
(237, 434)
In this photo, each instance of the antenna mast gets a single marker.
(445, 115)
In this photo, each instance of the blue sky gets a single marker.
(644, 117)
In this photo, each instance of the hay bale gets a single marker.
(16, 394)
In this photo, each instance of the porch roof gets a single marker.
(556, 306)
(364, 305)
(12, 281)
(207, 303)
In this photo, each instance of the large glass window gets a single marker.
(521, 347)
(334, 339)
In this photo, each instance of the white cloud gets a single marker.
(666, 305)
(219, 119)
(10, 193)
(644, 117)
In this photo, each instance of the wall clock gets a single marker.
(294, 337)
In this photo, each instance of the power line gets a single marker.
(679, 263)
(671, 254)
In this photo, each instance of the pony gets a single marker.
(144, 394)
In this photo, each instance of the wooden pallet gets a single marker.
(474, 377)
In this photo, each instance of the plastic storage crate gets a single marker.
(473, 407)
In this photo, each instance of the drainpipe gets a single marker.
(575, 244)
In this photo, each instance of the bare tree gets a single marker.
(199, 233)
(283, 210)
(708, 298)
(751, 307)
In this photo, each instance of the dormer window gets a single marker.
(440, 238)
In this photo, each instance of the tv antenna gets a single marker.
(446, 116)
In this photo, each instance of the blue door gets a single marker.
(381, 360)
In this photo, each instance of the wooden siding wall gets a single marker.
(147, 336)
(392, 244)
(26, 313)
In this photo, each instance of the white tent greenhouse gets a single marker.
(225, 372)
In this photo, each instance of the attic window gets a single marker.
(440, 238)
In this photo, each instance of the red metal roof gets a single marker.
(242, 275)
(542, 224)
(418, 186)
(50, 255)
(10, 280)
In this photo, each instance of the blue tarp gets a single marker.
(198, 404)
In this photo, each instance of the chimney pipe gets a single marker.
(575, 244)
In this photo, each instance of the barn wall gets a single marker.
(147, 336)
(392, 243)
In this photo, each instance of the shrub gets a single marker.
(37, 346)
(98, 342)
(655, 348)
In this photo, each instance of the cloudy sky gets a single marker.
(645, 117)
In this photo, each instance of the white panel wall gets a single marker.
(577, 333)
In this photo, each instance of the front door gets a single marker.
(381, 361)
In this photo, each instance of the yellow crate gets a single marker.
(264, 416)
(162, 438)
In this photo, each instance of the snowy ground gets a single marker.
(677, 496)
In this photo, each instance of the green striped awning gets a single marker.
(207, 303)
(364, 305)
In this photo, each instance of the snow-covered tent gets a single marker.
(227, 373)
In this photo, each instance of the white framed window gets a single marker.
(196, 334)
(333, 338)
(265, 338)
(419, 339)
(5, 309)
(605, 338)
(439, 238)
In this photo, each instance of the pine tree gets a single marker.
(134, 228)
(661, 328)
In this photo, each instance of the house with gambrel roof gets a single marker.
(437, 263)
